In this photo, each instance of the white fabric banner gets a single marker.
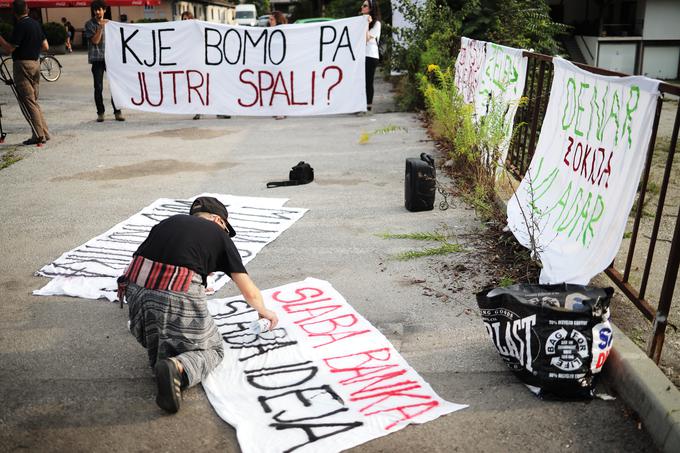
(500, 87)
(90, 270)
(469, 65)
(579, 189)
(324, 380)
(193, 66)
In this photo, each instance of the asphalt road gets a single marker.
(73, 379)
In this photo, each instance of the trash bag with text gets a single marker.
(555, 338)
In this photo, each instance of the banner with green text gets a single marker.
(572, 205)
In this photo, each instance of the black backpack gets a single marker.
(302, 173)
(420, 183)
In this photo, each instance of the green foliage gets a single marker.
(55, 33)
(439, 24)
(443, 249)
(365, 136)
(9, 158)
(506, 281)
(434, 29)
(6, 30)
(416, 236)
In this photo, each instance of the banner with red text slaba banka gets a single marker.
(323, 380)
(469, 65)
(190, 66)
(574, 200)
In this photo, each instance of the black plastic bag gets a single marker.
(554, 337)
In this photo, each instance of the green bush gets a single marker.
(55, 33)
(6, 30)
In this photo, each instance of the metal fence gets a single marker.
(632, 280)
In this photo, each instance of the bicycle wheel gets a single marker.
(50, 69)
(6, 73)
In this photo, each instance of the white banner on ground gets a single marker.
(324, 380)
(579, 189)
(90, 270)
(201, 67)
(500, 88)
(469, 65)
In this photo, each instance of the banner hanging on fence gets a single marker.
(201, 67)
(324, 380)
(469, 65)
(574, 200)
(90, 270)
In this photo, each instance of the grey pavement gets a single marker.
(73, 379)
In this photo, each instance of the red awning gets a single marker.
(69, 3)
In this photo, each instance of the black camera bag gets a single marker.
(302, 173)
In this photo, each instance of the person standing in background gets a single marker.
(25, 45)
(277, 18)
(370, 9)
(94, 33)
(69, 35)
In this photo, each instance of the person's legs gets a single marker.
(116, 112)
(371, 64)
(98, 68)
(174, 326)
(24, 72)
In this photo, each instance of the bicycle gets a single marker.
(50, 67)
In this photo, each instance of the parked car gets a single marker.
(263, 21)
(246, 15)
(313, 19)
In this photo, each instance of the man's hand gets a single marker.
(271, 316)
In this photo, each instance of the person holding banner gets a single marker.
(164, 286)
(94, 33)
(370, 9)
(277, 18)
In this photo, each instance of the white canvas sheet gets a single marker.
(501, 85)
(90, 270)
(582, 180)
(469, 66)
(324, 380)
(191, 66)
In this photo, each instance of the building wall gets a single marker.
(617, 57)
(661, 62)
(662, 19)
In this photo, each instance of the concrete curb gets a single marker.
(646, 390)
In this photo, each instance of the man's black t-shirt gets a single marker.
(193, 242)
(27, 36)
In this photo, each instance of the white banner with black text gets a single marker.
(193, 66)
(90, 270)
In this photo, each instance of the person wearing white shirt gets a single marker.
(370, 9)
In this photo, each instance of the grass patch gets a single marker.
(443, 249)
(416, 236)
(8, 159)
(366, 136)
(506, 281)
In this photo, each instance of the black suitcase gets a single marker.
(419, 183)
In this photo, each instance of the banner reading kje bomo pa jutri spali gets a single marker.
(575, 197)
(200, 67)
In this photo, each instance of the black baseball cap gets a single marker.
(212, 206)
